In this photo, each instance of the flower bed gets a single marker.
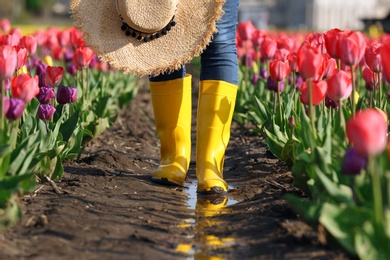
(320, 100)
(55, 96)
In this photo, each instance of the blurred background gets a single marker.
(312, 15)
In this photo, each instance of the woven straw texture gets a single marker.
(100, 24)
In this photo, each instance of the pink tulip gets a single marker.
(8, 61)
(352, 48)
(25, 87)
(385, 54)
(310, 62)
(330, 66)
(339, 85)
(373, 57)
(319, 89)
(279, 70)
(292, 59)
(367, 131)
(246, 30)
(22, 56)
(5, 25)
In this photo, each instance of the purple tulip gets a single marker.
(93, 62)
(46, 94)
(15, 110)
(41, 72)
(46, 112)
(71, 69)
(273, 85)
(353, 162)
(298, 83)
(66, 95)
(255, 79)
(68, 55)
(264, 73)
(329, 103)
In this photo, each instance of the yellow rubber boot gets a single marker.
(172, 108)
(215, 111)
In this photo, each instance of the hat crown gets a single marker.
(147, 16)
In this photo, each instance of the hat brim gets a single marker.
(101, 27)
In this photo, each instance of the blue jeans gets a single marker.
(219, 60)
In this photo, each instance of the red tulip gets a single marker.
(332, 38)
(339, 85)
(30, 43)
(8, 61)
(373, 57)
(25, 87)
(268, 47)
(246, 30)
(310, 62)
(330, 66)
(54, 75)
(352, 48)
(367, 131)
(10, 39)
(76, 39)
(82, 57)
(385, 54)
(279, 69)
(319, 89)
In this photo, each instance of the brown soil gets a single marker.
(107, 207)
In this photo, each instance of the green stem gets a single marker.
(353, 92)
(311, 109)
(380, 91)
(377, 190)
(280, 108)
(2, 118)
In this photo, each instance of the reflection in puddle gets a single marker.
(192, 196)
(205, 209)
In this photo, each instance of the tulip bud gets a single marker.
(46, 94)
(353, 162)
(66, 95)
(45, 112)
(15, 110)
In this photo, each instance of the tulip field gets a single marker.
(320, 101)
(56, 96)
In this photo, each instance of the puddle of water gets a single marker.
(204, 209)
(192, 196)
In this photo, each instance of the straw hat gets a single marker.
(147, 37)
